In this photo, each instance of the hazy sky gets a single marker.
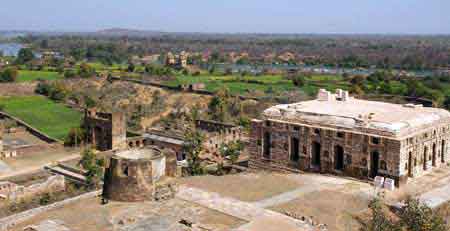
(275, 16)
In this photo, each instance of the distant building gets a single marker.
(339, 134)
(286, 57)
(179, 61)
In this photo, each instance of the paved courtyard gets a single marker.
(249, 201)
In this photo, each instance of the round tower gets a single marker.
(133, 174)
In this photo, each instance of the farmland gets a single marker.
(27, 76)
(265, 83)
(51, 118)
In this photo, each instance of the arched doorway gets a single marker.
(410, 164)
(339, 157)
(295, 149)
(433, 150)
(316, 148)
(374, 163)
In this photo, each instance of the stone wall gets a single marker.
(9, 222)
(292, 147)
(52, 184)
(218, 133)
(425, 151)
(139, 175)
(128, 180)
(105, 131)
(30, 128)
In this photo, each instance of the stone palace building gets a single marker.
(346, 136)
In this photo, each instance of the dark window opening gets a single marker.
(340, 135)
(267, 145)
(338, 157)
(374, 164)
(316, 150)
(375, 140)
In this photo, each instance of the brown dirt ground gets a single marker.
(89, 215)
(245, 187)
(17, 89)
(336, 209)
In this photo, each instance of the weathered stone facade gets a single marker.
(105, 131)
(5, 152)
(137, 174)
(314, 136)
(217, 133)
(14, 192)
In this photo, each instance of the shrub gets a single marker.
(9, 75)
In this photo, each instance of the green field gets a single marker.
(264, 83)
(27, 76)
(51, 118)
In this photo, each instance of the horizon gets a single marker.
(324, 17)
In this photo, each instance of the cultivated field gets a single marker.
(27, 76)
(52, 118)
(263, 83)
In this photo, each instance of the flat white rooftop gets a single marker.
(349, 112)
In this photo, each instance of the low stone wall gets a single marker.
(52, 184)
(30, 128)
(9, 222)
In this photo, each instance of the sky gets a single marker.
(230, 16)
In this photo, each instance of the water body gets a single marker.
(10, 49)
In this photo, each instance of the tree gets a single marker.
(86, 71)
(414, 216)
(417, 216)
(93, 166)
(193, 146)
(68, 74)
(131, 67)
(217, 107)
(379, 220)
(25, 55)
(75, 137)
(299, 80)
(356, 90)
(231, 150)
(9, 75)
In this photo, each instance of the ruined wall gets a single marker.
(218, 133)
(105, 131)
(52, 184)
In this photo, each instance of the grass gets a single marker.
(28, 76)
(51, 118)
(264, 83)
